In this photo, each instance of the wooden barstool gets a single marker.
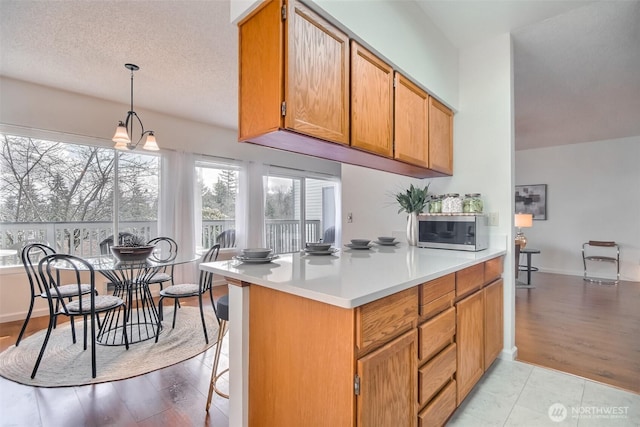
(222, 311)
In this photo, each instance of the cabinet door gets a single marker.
(316, 76)
(440, 137)
(470, 343)
(493, 322)
(388, 384)
(411, 121)
(371, 102)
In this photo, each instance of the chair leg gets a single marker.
(24, 325)
(52, 322)
(216, 360)
(175, 311)
(93, 343)
(124, 328)
(85, 329)
(160, 318)
(204, 325)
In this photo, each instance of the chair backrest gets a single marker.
(31, 255)
(166, 249)
(105, 245)
(206, 277)
(329, 235)
(49, 268)
(227, 239)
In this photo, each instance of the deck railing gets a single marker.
(83, 238)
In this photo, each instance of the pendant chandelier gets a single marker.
(124, 131)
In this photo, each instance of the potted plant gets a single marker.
(413, 201)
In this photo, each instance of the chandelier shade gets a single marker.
(124, 131)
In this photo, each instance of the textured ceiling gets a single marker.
(576, 62)
(186, 50)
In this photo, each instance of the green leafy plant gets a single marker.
(414, 199)
(133, 241)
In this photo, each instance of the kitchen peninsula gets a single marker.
(386, 336)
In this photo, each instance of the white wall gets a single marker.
(401, 32)
(593, 193)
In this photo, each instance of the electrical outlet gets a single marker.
(493, 219)
(349, 217)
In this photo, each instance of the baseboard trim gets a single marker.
(508, 354)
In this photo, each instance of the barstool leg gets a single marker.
(214, 371)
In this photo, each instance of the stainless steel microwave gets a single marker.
(463, 232)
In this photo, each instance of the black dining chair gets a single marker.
(166, 251)
(31, 254)
(187, 290)
(88, 306)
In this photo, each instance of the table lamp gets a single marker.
(526, 221)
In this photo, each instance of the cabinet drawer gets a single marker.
(440, 409)
(493, 269)
(437, 295)
(436, 334)
(380, 321)
(436, 373)
(470, 279)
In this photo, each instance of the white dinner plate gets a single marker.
(255, 260)
(386, 243)
(352, 246)
(328, 252)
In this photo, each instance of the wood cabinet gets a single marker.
(305, 87)
(387, 380)
(406, 359)
(479, 323)
(440, 137)
(470, 342)
(493, 321)
(315, 79)
(411, 121)
(371, 102)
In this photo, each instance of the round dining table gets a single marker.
(130, 281)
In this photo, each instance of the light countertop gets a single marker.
(351, 278)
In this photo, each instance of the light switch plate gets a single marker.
(493, 219)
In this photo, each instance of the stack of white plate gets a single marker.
(359, 244)
(256, 255)
(319, 249)
(387, 241)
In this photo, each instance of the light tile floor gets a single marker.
(513, 393)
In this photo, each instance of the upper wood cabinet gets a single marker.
(316, 76)
(371, 102)
(440, 137)
(411, 122)
(311, 94)
(306, 87)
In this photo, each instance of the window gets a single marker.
(216, 194)
(63, 194)
(299, 209)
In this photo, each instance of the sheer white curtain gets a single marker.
(177, 209)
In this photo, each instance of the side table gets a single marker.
(528, 268)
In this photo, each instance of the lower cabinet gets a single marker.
(387, 392)
(405, 360)
(493, 321)
(470, 341)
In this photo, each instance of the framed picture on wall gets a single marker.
(532, 199)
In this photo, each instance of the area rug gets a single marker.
(66, 364)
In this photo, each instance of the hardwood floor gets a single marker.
(581, 328)
(173, 396)
(564, 323)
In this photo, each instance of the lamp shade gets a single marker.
(120, 145)
(121, 135)
(524, 220)
(150, 143)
